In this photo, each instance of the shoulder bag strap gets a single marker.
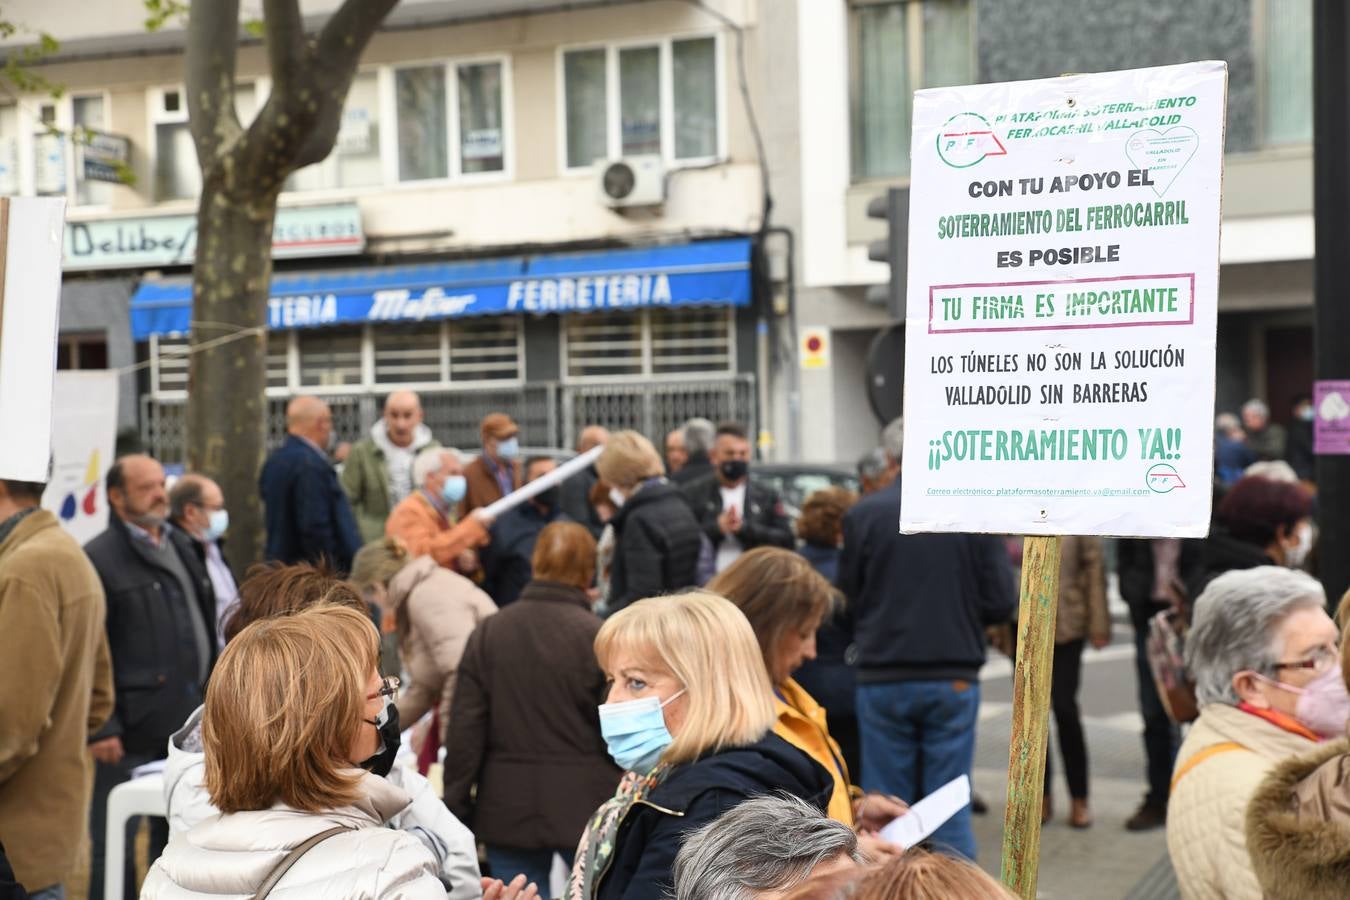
(293, 857)
(1207, 753)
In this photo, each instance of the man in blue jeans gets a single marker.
(921, 603)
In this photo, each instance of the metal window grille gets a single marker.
(408, 354)
(330, 357)
(169, 360)
(691, 341)
(604, 344)
(486, 349)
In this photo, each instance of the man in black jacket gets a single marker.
(698, 443)
(921, 603)
(161, 638)
(576, 491)
(507, 559)
(735, 513)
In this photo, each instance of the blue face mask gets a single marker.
(219, 524)
(454, 488)
(509, 448)
(635, 732)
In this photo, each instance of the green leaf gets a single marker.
(255, 27)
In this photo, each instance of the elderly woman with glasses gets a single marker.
(1264, 656)
(296, 723)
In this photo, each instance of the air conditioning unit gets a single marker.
(632, 181)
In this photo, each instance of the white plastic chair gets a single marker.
(142, 796)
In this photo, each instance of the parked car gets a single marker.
(794, 482)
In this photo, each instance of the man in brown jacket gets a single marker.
(55, 688)
(496, 471)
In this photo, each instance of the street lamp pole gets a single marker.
(1331, 267)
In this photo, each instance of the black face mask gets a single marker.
(550, 498)
(734, 469)
(391, 736)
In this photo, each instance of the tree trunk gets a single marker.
(227, 405)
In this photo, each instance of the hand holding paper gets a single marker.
(928, 815)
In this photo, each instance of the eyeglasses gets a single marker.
(389, 686)
(1320, 660)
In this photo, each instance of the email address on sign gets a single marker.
(1038, 492)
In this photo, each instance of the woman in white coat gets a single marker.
(295, 718)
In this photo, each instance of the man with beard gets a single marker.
(161, 636)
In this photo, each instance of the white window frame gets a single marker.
(456, 173)
(647, 374)
(613, 119)
(28, 114)
(914, 60)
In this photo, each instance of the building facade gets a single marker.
(856, 65)
(458, 240)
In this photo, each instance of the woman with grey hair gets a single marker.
(1264, 657)
(764, 846)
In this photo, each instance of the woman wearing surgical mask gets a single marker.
(294, 729)
(434, 611)
(1261, 521)
(689, 716)
(1298, 823)
(1266, 662)
(272, 591)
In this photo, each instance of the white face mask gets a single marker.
(1295, 556)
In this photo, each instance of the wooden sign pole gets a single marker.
(1031, 713)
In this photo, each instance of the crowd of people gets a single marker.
(648, 671)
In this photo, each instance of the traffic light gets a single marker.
(893, 207)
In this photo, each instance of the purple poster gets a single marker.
(1331, 422)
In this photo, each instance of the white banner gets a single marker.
(1062, 304)
(84, 435)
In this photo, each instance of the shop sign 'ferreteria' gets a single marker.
(1062, 304)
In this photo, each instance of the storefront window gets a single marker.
(695, 340)
(408, 354)
(657, 342)
(604, 344)
(486, 349)
(278, 359)
(330, 357)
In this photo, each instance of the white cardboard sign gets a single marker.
(84, 436)
(1062, 304)
(29, 307)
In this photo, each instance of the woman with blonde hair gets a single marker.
(434, 611)
(915, 875)
(657, 539)
(785, 600)
(689, 716)
(292, 723)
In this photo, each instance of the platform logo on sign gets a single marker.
(967, 139)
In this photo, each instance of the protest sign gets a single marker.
(30, 298)
(1062, 304)
(84, 437)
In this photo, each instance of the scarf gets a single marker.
(1280, 720)
(596, 850)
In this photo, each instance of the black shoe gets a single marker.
(1147, 817)
(977, 805)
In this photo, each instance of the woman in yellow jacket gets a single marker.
(786, 599)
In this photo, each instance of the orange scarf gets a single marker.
(1280, 720)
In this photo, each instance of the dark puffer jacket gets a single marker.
(656, 545)
(694, 795)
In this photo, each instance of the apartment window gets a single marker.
(451, 120)
(654, 342)
(897, 49)
(177, 173)
(9, 149)
(49, 153)
(356, 157)
(87, 116)
(661, 98)
(1287, 72)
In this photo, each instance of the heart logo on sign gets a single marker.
(1163, 153)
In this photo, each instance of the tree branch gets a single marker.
(212, 31)
(285, 37)
(345, 35)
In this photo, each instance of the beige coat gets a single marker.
(55, 690)
(1082, 591)
(436, 611)
(232, 855)
(1206, 814)
(1298, 826)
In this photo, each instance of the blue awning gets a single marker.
(704, 273)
